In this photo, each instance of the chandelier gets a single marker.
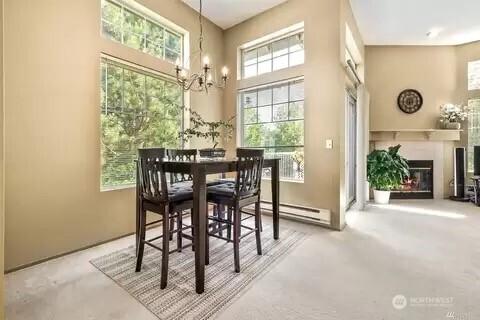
(202, 80)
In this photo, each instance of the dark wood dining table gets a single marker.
(199, 169)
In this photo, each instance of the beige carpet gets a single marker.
(179, 300)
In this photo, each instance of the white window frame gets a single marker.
(151, 16)
(125, 65)
(270, 43)
(241, 123)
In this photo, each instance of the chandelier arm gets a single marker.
(201, 29)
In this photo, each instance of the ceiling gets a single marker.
(227, 13)
(406, 22)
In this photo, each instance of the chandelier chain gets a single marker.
(201, 28)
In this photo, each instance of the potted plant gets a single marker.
(451, 116)
(386, 170)
(210, 130)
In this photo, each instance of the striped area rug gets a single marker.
(222, 284)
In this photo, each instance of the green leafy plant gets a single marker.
(210, 130)
(386, 169)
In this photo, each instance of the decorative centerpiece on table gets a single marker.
(212, 131)
(451, 116)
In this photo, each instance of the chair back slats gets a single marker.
(249, 171)
(181, 155)
(153, 182)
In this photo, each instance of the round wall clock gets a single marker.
(410, 101)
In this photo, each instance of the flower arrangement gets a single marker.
(453, 113)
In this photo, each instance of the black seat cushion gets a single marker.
(180, 192)
(226, 189)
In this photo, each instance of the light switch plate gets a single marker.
(329, 144)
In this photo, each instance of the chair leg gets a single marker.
(207, 244)
(258, 226)
(221, 215)
(193, 229)
(236, 237)
(179, 231)
(172, 227)
(165, 249)
(260, 216)
(229, 226)
(141, 239)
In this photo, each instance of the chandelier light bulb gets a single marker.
(224, 71)
(177, 62)
(206, 61)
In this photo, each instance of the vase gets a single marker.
(452, 125)
(212, 153)
(381, 197)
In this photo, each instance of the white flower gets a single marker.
(453, 113)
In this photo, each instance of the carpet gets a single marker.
(222, 285)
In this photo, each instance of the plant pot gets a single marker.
(381, 197)
(452, 125)
(212, 153)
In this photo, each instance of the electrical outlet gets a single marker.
(329, 144)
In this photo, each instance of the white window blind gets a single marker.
(473, 130)
(474, 75)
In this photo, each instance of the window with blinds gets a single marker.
(272, 118)
(139, 32)
(138, 109)
(474, 75)
(473, 130)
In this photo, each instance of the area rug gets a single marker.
(222, 284)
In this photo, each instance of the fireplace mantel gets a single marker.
(415, 135)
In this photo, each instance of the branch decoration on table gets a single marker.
(212, 131)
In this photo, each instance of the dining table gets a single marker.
(199, 169)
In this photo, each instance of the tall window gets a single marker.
(138, 109)
(474, 75)
(276, 55)
(474, 114)
(272, 118)
(473, 130)
(139, 32)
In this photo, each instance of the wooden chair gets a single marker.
(243, 192)
(157, 196)
(180, 178)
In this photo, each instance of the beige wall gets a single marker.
(52, 133)
(439, 73)
(324, 23)
(430, 70)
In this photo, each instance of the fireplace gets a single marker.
(419, 184)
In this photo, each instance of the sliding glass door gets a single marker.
(351, 114)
